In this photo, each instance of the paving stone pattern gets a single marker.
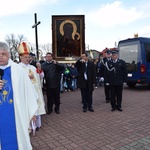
(98, 130)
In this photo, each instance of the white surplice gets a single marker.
(31, 70)
(37, 84)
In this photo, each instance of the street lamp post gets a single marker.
(36, 34)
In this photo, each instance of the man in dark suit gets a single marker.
(116, 76)
(86, 81)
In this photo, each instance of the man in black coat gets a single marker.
(33, 60)
(86, 81)
(52, 71)
(116, 75)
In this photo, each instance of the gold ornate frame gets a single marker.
(68, 36)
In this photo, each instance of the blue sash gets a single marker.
(8, 134)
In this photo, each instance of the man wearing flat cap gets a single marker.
(116, 75)
(103, 74)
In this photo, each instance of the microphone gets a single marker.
(1, 73)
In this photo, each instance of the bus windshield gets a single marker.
(129, 52)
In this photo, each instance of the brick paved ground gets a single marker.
(99, 130)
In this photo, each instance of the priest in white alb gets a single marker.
(18, 103)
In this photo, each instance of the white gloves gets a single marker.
(102, 79)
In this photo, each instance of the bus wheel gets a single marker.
(131, 84)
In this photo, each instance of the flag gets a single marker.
(91, 54)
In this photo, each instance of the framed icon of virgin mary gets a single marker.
(68, 36)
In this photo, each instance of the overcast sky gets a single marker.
(106, 21)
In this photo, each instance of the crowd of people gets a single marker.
(23, 83)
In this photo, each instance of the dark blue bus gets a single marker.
(136, 53)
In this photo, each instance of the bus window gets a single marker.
(147, 50)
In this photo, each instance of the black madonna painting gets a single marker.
(68, 36)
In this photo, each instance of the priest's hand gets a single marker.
(34, 118)
(31, 76)
(1, 84)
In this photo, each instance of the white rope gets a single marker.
(103, 62)
(109, 68)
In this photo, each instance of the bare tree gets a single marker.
(13, 42)
(45, 48)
